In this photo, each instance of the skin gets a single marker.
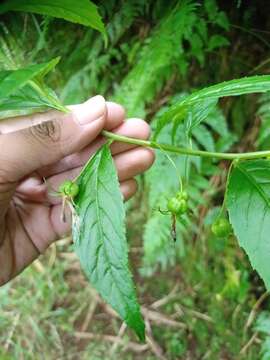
(38, 153)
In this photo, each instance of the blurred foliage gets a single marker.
(157, 51)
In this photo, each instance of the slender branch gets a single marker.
(186, 151)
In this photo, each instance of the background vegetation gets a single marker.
(201, 298)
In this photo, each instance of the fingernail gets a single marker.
(93, 109)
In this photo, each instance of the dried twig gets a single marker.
(11, 332)
(38, 266)
(53, 255)
(182, 309)
(161, 302)
(248, 344)
(254, 310)
(154, 316)
(119, 336)
(133, 346)
(201, 316)
(90, 313)
(160, 318)
(153, 345)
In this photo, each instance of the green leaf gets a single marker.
(23, 91)
(28, 101)
(100, 240)
(196, 105)
(246, 85)
(248, 202)
(12, 80)
(217, 41)
(83, 12)
(157, 58)
(204, 137)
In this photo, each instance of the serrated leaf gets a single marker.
(100, 240)
(27, 101)
(83, 12)
(204, 137)
(217, 121)
(12, 80)
(23, 92)
(248, 202)
(156, 58)
(195, 105)
(217, 41)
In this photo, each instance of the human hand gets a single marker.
(55, 146)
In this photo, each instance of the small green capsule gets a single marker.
(221, 228)
(182, 195)
(183, 206)
(69, 188)
(174, 205)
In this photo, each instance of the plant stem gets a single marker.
(186, 151)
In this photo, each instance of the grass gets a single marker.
(197, 310)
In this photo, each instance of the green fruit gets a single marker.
(182, 195)
(183, 206)
(221, 228)
(176, 206)
(69, 188)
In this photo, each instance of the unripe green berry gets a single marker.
(221, 228)
(183, 206)
(69, 188)
(174, 205)
(182, 195)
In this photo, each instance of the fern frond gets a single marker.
(95, 74)
(157, 59)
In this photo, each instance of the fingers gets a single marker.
(53, 136)
(128, 189)
(136, 128)
(133, 162)
(115, 115)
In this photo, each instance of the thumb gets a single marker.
(30, 142)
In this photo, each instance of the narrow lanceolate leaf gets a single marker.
(195, 105)
(81, 11)
(248, 202)
(23, 92)
(100, 240)
(12, 80)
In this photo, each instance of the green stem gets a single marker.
(186, 151)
